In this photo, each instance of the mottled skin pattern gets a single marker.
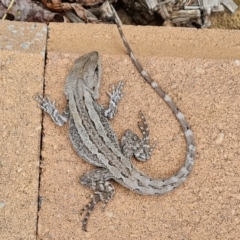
(95, 141)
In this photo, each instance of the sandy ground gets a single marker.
(198, 69)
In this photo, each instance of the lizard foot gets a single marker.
(115, 97)
(103, 191)
(133, 145)
(47, 106)
(101, 194)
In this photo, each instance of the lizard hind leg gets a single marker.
(103, 191)
(133, 145)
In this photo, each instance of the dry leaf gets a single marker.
(26, 10)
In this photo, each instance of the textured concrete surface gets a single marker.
(22, 50)
(200, 70)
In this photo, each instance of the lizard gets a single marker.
(95, 141)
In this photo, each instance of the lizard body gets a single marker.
(95, 141)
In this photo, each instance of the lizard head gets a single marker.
(84, 75)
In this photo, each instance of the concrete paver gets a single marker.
(22, 51)
(200, 70)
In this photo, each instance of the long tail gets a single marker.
(166, 185)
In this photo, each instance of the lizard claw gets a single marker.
(45, 103)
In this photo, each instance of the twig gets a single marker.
(9, 7)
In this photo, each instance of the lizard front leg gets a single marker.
(133, 145)
(49, 107)
(103, 190)
(114, 100)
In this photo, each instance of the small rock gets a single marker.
(219, 139)
(109, 214)
(2, 204)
